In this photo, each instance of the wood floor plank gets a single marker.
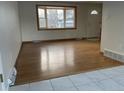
(45, 60)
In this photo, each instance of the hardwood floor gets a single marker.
(46, 60)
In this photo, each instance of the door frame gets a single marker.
(100, 14)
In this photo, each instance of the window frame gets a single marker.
(75, 18)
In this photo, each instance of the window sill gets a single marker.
(57, 29)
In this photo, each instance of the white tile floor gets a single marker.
(111, 79)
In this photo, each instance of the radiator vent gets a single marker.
(114, 55)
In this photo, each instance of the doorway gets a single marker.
(94, 21)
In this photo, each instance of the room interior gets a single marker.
(91, 39)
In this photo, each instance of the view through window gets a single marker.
(56, 17)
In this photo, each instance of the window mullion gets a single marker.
(46, 17)
(64, 17)
(74, 18)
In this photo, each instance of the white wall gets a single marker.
(29, 22)
(113, 27)
(10, 40)
(1, 72)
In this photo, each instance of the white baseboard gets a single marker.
(114, 55)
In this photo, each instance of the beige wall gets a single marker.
(29, 23)
(10, 40)
(113, 27)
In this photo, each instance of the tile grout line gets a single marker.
(88, 83)
(51, 85)
(102, 89)
(93, 81)
(110, 77)
(29, 87)
(118, 82)
(73, 84)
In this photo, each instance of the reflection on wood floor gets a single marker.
(50, 59)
